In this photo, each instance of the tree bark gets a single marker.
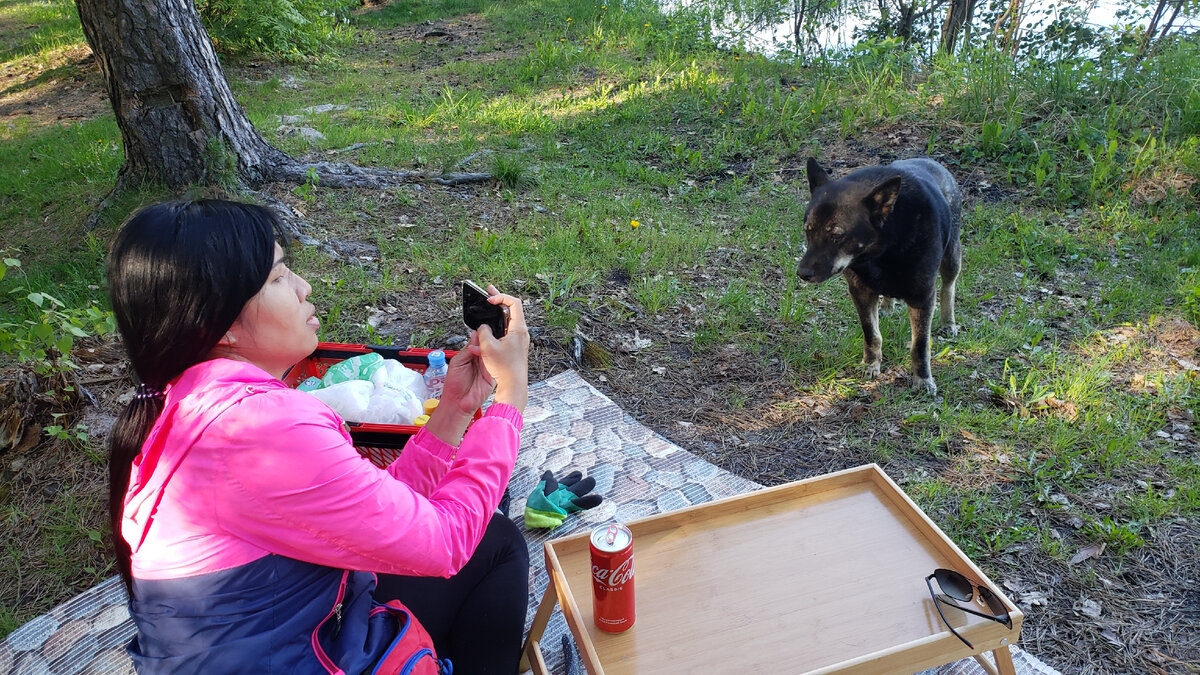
(179, 122)
(957, 14)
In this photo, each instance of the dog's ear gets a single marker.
(816, 175)
(881, 200)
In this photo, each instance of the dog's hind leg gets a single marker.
(866, 301)
(922, 374)
(951, 264)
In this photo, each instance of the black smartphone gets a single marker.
(477, 311)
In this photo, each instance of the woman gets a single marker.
(249, 530)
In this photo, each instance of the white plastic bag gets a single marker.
(350, 399)
(393, 406)
(394, 375)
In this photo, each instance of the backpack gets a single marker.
(411, 652)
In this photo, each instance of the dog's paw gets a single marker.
(950, 329)
(871, 370)
(924, 384)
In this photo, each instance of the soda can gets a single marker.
(612, 578)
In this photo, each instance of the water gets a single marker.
(777, 38)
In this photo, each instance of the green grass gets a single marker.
(37, 28)
(1080, 264)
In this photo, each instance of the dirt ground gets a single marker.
(1150, 599)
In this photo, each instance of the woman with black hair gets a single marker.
(250, 533)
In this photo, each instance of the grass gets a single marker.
(631, 156)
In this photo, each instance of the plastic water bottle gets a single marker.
(435, 374)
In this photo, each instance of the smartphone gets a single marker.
(477, 311)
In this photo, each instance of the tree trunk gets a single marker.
(957, 14)
(179, 122)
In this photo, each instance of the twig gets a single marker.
(356, 146)
(467, 160)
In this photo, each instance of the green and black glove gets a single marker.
(553, 500)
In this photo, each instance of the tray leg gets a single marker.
(531, 656)
(1004, 663)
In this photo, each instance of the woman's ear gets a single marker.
(228, 339)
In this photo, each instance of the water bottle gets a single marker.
(435, 374)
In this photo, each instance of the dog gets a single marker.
(889, 230)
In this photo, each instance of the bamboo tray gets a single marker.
(825, 575)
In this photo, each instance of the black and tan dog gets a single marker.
(889, 230)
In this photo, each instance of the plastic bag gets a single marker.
(393, 406)
(393, 375)
(360, 367)
(310, 384)
(349, 399)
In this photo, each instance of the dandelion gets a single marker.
(568, 18)
(634, 224)
(813, 111)
(647, 24)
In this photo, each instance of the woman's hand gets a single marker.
(484, 364)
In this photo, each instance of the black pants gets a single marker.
(477, 617)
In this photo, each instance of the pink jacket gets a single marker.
(239, 466)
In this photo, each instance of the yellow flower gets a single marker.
(647, 24)
(568, 18)
(634, 224)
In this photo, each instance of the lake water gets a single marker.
(777, 39)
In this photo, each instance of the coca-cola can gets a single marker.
(612, 578)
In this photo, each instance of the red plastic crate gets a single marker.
(380, 443)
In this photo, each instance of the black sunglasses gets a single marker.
(958, 587)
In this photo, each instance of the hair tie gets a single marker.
(146, 392)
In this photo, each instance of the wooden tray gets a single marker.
(818, 576)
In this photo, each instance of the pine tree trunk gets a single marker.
(957, 15)
(179, 122)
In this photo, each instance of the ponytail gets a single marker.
(125, 442)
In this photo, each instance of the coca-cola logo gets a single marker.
(618, 576)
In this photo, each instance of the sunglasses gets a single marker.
(958, 587)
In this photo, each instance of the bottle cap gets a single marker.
(431, 404)
(421, 420)
(437, 358)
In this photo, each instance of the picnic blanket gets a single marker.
(569, 425)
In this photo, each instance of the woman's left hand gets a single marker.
(468, 385)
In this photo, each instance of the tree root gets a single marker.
(327, 174)
(342, 175)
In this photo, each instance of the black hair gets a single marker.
(179, 274)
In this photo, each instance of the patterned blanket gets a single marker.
(569, 425)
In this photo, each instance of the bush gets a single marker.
(41, 329)
(297, 28)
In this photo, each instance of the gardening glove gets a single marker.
(553, 500)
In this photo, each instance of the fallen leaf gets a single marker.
(1087, 552)
(1112, 638)
(1033, 598)
(1088, 608)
